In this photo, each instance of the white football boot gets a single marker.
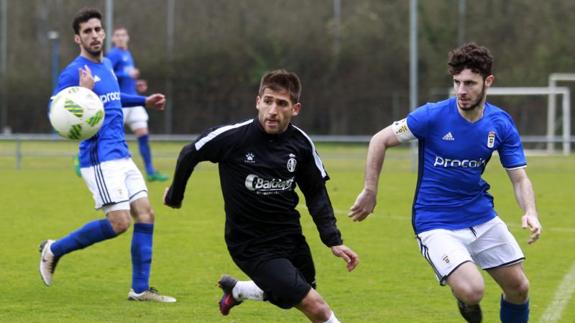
(150, 295)
(48, 262)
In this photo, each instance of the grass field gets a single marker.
(393, 283)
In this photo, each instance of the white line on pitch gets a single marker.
(561, 299)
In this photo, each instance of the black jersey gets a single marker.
(259, 173)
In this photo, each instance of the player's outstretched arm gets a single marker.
(366, 200)
(348, 255)
(156, 101)
(188, 158)
(526, 199)
(134, 73)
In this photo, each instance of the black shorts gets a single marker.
(285, 278)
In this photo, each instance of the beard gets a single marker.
(93, 52)
(96, 52)
(476, 103)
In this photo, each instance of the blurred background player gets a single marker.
(142, 86)
(136, 118)
(116, 184)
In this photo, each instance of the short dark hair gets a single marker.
(84, 15)
(282, 80)
(120, 27)
(472, 56)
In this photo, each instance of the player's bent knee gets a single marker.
(120, 221)
(142, 211)
(121, 226)
(524, 288)
(140, 131)
(474, 296)
(470, 295)
(518, 291)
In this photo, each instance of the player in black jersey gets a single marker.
(261, 161)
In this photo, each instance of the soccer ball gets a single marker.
(76, 113)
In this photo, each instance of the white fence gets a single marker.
(19, 140)
(18, 152)
(552, 91)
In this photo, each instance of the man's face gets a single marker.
(120, 38)
(141, 86)
(470, 89)
(91, 37)
(275, 110)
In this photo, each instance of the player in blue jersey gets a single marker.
(117, 186)
(135, 117)
(453, 213)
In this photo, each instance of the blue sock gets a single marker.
(514, 313)
(146, 152)
(141, 256)
(87, 235)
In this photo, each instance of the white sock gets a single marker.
(332, 319)
(247, 290)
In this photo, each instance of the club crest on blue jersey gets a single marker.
(291, 163)
(491, 139)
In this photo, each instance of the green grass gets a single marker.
(393, 283)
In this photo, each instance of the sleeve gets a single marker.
(129, 100)
(510, 150)
(68, 77)
(311, 180)
(418, 122)
(189, 157)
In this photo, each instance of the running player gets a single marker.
(453, 216)
(261, 161)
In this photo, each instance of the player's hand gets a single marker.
(531, 222)
(156, 101)
(348, 255)
(86, 78)
(134, 73)
(177, 206)
(363, 206)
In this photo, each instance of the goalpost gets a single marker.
(552, 107)
(551, 92)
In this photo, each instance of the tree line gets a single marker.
(355, 69)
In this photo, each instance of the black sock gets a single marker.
(471, 313)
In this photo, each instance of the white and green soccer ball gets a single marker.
(76, 113)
